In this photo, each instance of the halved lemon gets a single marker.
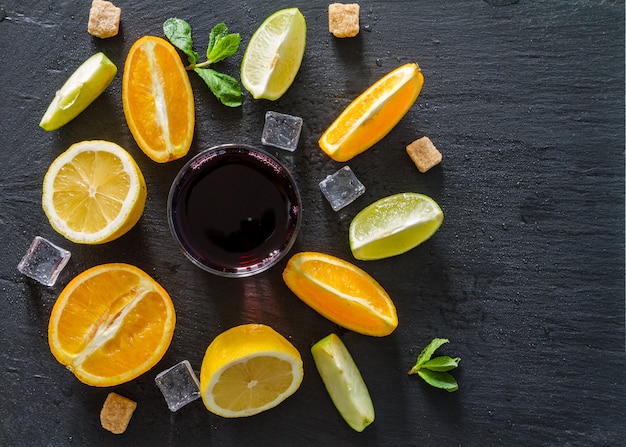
(249, 369)
(373, 114)
(341, 292)
(394, 225)
(94, 192)
(110, 324)
(274, 54)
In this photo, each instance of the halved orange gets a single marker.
(373, 114)
(341, 292)
(110, 324)
(157, 99)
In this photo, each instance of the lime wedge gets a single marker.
(343, 381)
(81, 89)
(394, 225)
(274, 54)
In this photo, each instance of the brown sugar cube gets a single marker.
(116, 413)
(104, 19)
(343, 19)
(424, 154)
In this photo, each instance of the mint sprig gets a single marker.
(222, 45)
(434, 370)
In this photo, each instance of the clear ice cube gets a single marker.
(281, 130)
(179, 385)
(44, 261)
(341, 188)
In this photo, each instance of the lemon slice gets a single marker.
(274, 54)
(94, 192)
(249, 369)
(343, 381)
(81, 89)
(394, 225)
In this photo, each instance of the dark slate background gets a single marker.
(525, 99)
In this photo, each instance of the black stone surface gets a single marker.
(524, 99)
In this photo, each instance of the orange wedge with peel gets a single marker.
(341, 292)
(371, 116)
(110, 324)
(158, 100)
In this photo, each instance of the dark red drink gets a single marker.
(234, 210)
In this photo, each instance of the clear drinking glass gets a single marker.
(235, 210)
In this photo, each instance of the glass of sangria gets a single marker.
(235, 210)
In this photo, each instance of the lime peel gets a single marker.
(81, 89)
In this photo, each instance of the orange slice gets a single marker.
(111, 324)
(373, 114)
(157, 99)
(341, 292)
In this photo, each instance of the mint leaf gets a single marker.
(429, 350)
(433, 370)
(178, 32)
(221, 45)
(224, 87)
(443, 363)
(218, 32)
(439, 379)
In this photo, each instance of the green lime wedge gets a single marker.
(81, 89)
(394, 225)
(343, 381)
(274, 54)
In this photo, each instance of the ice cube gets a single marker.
(341, 188)
(179, 385)
(281, 131)
(43, 261)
